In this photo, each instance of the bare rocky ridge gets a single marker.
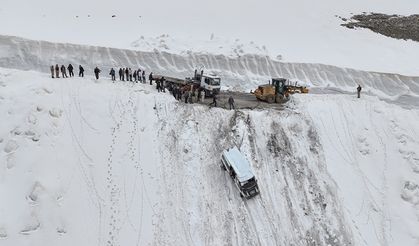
(395, 26)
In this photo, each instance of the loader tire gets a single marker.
(270, 99)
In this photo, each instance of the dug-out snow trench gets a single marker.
(243, 73)
(298, 204)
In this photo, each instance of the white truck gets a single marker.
(210, 83)
(240, 171)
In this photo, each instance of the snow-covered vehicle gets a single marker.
(240, 171)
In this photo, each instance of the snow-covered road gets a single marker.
(87, 162)
(240, 74)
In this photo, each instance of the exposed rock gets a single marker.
(395, 26)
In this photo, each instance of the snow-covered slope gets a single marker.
(244, 73)
(301, 30)
(97, 163)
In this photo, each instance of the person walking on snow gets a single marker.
(81, 71)
(70, 70)
(57, 71)
(52, 71)
(96, 71)
(231, 102)
(214, 101)
(112, 74)
(64, 71)
(359, 91)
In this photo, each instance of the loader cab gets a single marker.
(240, 171)
(279, 84)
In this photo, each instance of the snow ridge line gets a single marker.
(243, 73)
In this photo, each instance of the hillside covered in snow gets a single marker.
(91, 162)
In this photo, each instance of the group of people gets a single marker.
(128, 74)
(181, 93)
(56, 70)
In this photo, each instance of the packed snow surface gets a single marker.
(299, 31)
(88, 162)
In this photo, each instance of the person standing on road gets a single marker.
(96, 71)
(57, 71)
(63, 71)
(202, 95)
(112, 74)
(143, 76)
(359, 91)
(52, 71)
(214, 101)
(70, 70)
(231, 102)
(81, 71)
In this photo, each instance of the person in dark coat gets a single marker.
(186, 96)
(52, 71)
(158, 85)
(150, 78)
(64, 71)
(214, 101)
(112, 74)
(143, 77)
(81, 71)
(231, 102)
(134, 75)
(162, 80)
(57, 71)
(96, 71)
(359, 91)
(127, 74)
(121, 74)
(70, 70)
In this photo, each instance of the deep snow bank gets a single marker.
(94, 163)
(243, 73)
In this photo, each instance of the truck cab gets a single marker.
(233, 161)
(211, 83)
